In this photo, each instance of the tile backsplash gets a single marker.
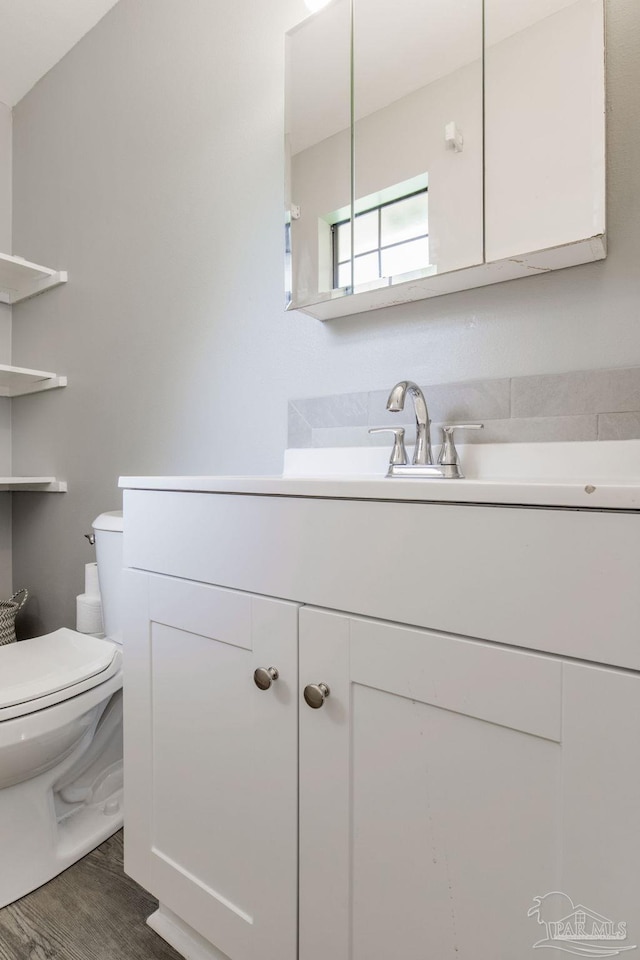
(584, 405)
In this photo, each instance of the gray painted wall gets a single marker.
(149, 164)
(5, 178)
(5, 350)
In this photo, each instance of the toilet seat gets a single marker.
(45, 670)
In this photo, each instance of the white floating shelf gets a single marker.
(40, 484)
(18, 381)
(20, 279)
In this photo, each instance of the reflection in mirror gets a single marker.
(385, 181)
(390, 235)
(318, 149)
(417, 78)
(440, 145)
(544, 124)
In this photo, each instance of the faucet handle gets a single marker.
(448, 455)
(399, 452)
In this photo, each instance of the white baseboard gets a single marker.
(182, 937)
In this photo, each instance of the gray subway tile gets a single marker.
(530, 430)
(450, 402)
(339, 410)
(378, 415)
(619, 426)
(340, 437)
(534, 430)
(527, 409)
(473, 400)
(575, 394)
(298, 430)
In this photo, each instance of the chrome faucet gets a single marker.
(422, 465)
(422, 451)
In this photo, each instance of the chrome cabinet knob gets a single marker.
(315, 694)
(264, 677)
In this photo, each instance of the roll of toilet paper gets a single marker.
(91, 585)
(88, 614)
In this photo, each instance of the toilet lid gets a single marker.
(35, 668)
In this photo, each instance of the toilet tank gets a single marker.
(108, 532)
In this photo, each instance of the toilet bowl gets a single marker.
(61, 738)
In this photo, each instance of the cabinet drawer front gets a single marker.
(223, 615)
(477, 679)
(536, 578)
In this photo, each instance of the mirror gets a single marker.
(417, 72)
(441, 145)
(317, 148)
(544, 124)
(377, 193)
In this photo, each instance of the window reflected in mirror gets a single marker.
(390, 238)
(371, 89)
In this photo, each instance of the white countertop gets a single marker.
(592, 496)
(589, 475)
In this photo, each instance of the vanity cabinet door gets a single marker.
(601, 796)
(210, 758)
(446, 783)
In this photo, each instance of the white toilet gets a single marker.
(61, 738)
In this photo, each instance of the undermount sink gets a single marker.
(588, 475)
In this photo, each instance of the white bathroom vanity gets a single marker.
(470, 650)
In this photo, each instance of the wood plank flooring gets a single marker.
(92, 911)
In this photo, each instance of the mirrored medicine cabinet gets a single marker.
(440, 145)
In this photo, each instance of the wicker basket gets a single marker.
(8, 610)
